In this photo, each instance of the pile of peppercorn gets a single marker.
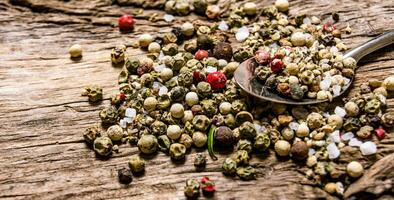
(181, 95)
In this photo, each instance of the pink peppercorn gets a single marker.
(276, 65)
(207, 185)
(262, 57)
(380, 133)
(217, 80)
(201, 54)
(126, 23)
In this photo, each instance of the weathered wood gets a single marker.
(42, 115)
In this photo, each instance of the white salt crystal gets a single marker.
(336, 90)
(307, 21)
(333, 151)
(128, 119)
(258, 128)
(334, 50)
(368, 148)
(168, 18)
(130, 112)
(159, 68)
(223, 26)
(242, 34)
(335, 136)
(340, 111)
(326, 114)
(311, 152)
(122, 123)
(354, 142)
(347, 136)
(211, 69)
(325, 83)
(161, 56)
(294, 125)
(156, 85)
(382, 98)
(163, 90)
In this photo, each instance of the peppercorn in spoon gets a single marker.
(245, 74)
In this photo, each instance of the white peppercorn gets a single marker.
(199, 139)
(213, 11)
(145, 39)
(355, 169)
(186, 140)
(351, 109)
(154, 47)
(335, 121)
(187, 116)
(303, 130)
(282, 147)
(187, 29)
(250, 8)
(166, 74)
(388, 83)
(298, 39)
(174, 132)
(225, 108)
(75, 51)
(191, 98)
(177, 110)
(150, 103)
(311, 161)
(115, 132)
(282, 5)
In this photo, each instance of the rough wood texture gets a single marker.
(42, 154)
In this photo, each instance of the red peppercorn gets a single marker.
(201, 54)
(122, 96)
(276, 65)
(217, 80)
(207, 185)
(126, 23)
(380, 133)
(262, 57)
(329, 27)
(198, 76)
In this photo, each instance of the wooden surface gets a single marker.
(42, 115)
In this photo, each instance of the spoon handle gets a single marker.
(371, 46)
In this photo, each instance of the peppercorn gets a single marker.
(365, 132)
(241, 157)
(147, 144)
(125, 176)
(261, 142)
(163, 143)
(91, 133)
(174, 132)
(190, 45)
(388, 83)
(351, 124)
(335, 121)
(126, 23)
(177, 151)
(182, 7)
(154, 47)
(170, 49)
(250, 8)
(349, 63)
(247, 131)
(355, 169)
(299, 150)
(115, 132)
(204, 89)
(192, 188)
(224, 136)
(204, 42)
(102, 146)
(315, 120)
(351, 109)
(94, 93)
(330, 188)
(238, 105)
(388, 119)
(145, 39)
(109, 115)
(372, 106)
(178, 93)
(207, 186)
(118, 54)
(213, 11)
(244, 144)
(223, 50)
(199, 139)
(200, 160)
(75, 51)
(246, 173)
(380, 133)
(200, 6)
(282, 148)
(186, 140)
(136, 164)
(282, 5)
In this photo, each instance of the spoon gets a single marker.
(244, 75)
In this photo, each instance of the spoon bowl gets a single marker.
(246, 80)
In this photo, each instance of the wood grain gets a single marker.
(42, 115)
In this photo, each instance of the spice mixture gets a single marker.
(181, 95)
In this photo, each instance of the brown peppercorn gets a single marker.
(299, 150)
(223, 50)
(224, 136)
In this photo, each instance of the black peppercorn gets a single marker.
(177, 32)
(223, 50)
(224, 136)
(204, 42)
(125, 176)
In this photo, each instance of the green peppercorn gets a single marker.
(243, 116)
(372, 106)
(147, 144)
(103, 146)
(200, 6)
(136, 164)
(177, 151)
(178, 94)
(246, 173)
(201, 122)
(185, 79)
(247, 131)
(118, 54)
(229, 166)
(164, 143)
(200, 160)
(261, 142)
(109, 115)
(204, 42)
(158, 128)
(241, 157)
(94, 93)
(91, 133)
(209, 107)
(190, 46)
(192, 188)
(244, 144)
(170, 49)
(238, 105)
(204, 89)
(351, 124)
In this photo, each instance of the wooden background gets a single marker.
(42, 115)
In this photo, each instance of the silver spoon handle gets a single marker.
(371, 46)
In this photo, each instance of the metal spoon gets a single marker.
(244, 75)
